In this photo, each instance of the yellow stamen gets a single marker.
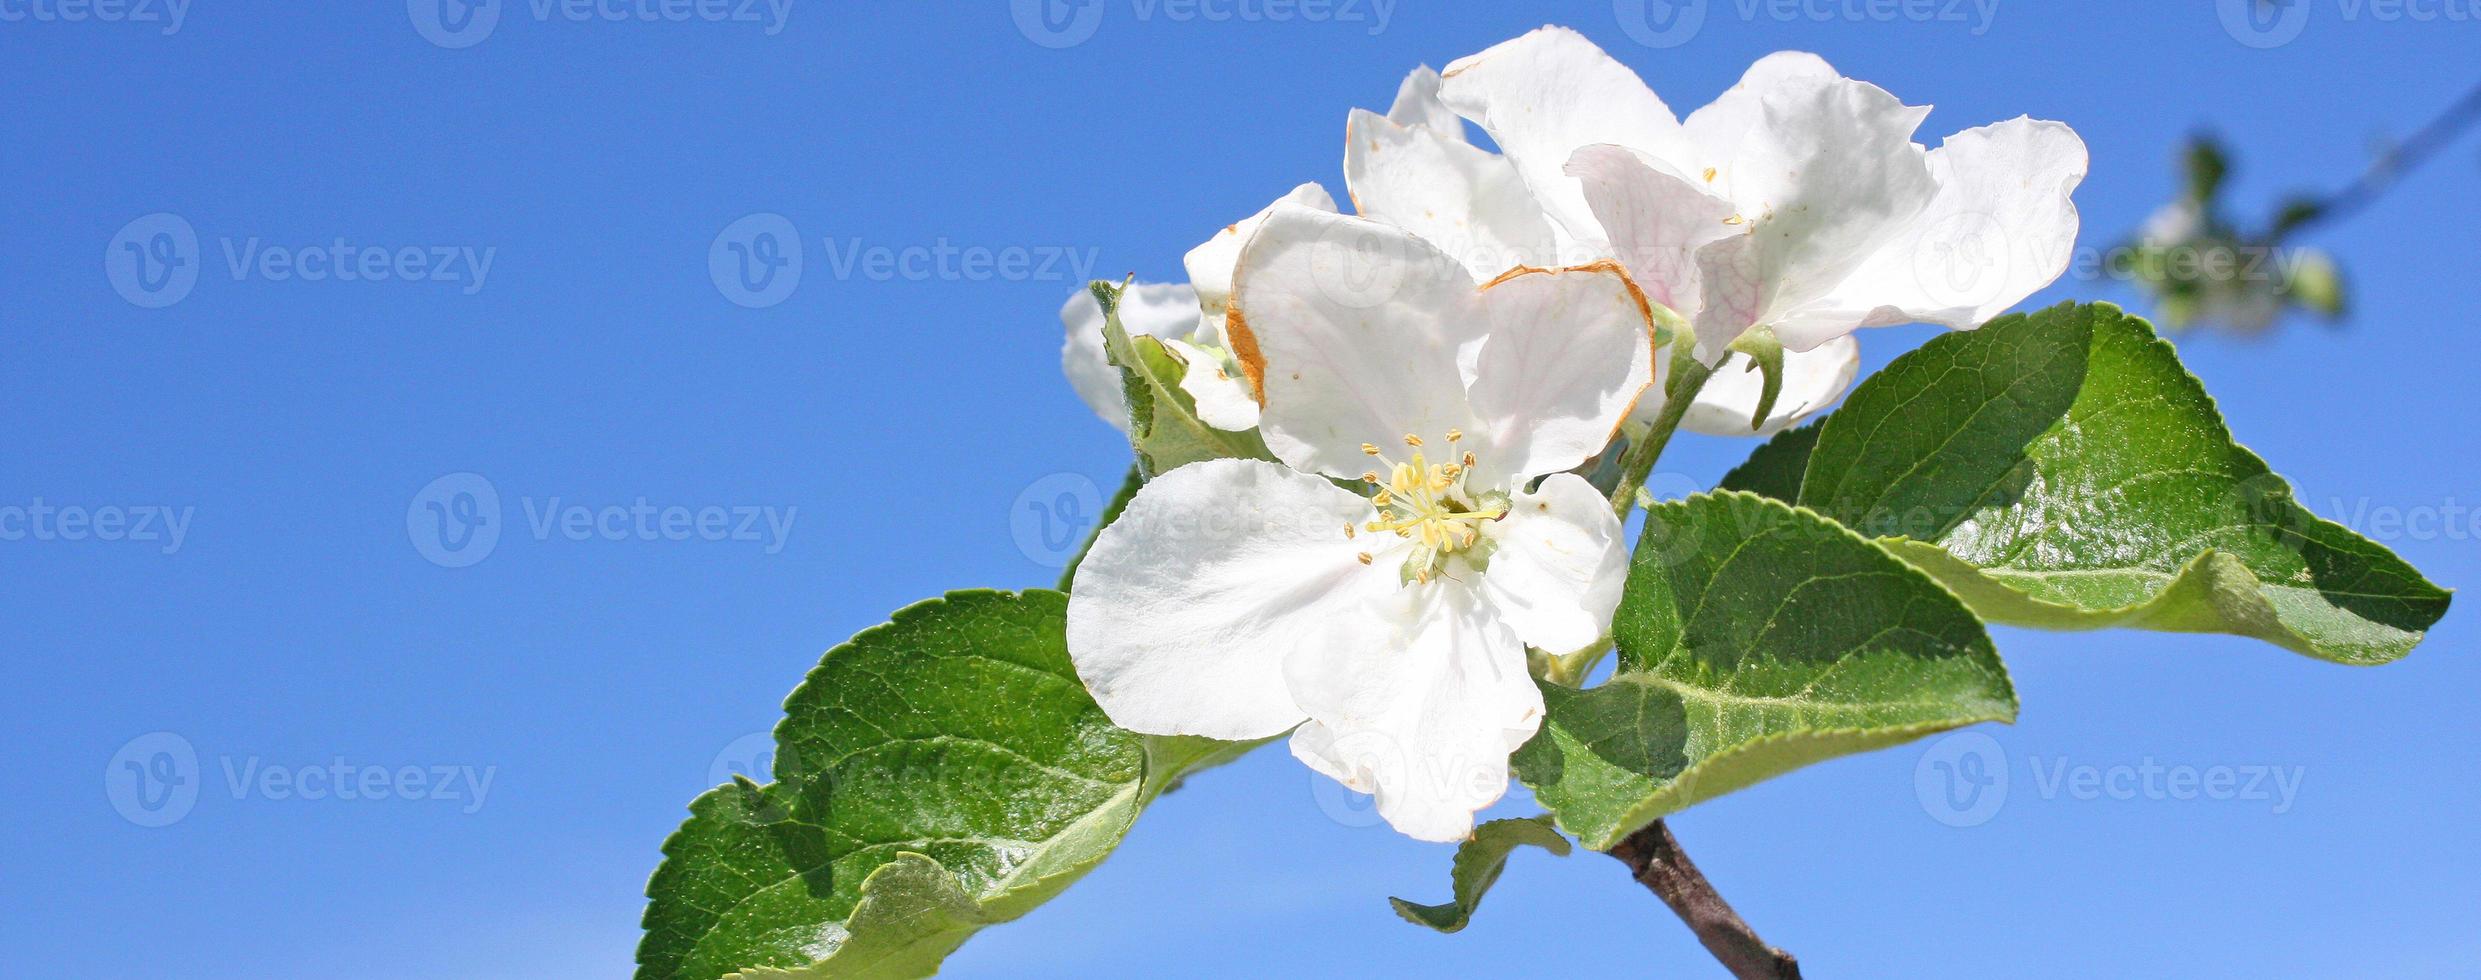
(1428, 505)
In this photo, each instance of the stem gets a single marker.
(2393, 164)
(1657, 862)
(1652, 856)
(1687, 376)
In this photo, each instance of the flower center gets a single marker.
(1427, 502)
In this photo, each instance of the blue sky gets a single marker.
(529, 220)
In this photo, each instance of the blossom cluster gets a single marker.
(1436, 374)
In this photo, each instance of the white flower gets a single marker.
(1414, 168)
(1188, 319)
(1237, 599)
(1797, 201)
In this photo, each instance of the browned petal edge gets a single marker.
(1645, 310)
(1244, 344)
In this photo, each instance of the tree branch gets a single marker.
(2390, 166)
(1656, 861)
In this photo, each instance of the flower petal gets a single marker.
(1215, 383)
(1466, 200)
(1568, 353)
(1812, 380)
(1417, 104)
(1210, 264)
(1417, 699)
(1655, 219)
(2002, 226)
(1828, 176)
(1558, 565)
(1731, 294)
(1181, 618)
(1715, 131)
(1167, 310)
(1543, 95)
(1350, 330)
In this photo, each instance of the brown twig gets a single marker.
(1656, 861)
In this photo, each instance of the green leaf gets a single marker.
(935, 774)
(1163, 422)
(1775, 468)
(912, 914)
(1754, 638)
(2062, 470)
(1476, 867)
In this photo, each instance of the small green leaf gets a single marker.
(1765, 354)
(935, 774)
(1163, 422)
(2206, 164)
(1476, 867)
(2062, 470)
(1754, 638)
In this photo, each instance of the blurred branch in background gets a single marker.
(2202, 268)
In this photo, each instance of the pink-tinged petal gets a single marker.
(1543, 95)
(1828, 176)
(1655, 220)
(1568, 353)
(1732, 289)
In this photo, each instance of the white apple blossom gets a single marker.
(1796, 202)
(1386, 626)
(1188, 319)
(1414, 168)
